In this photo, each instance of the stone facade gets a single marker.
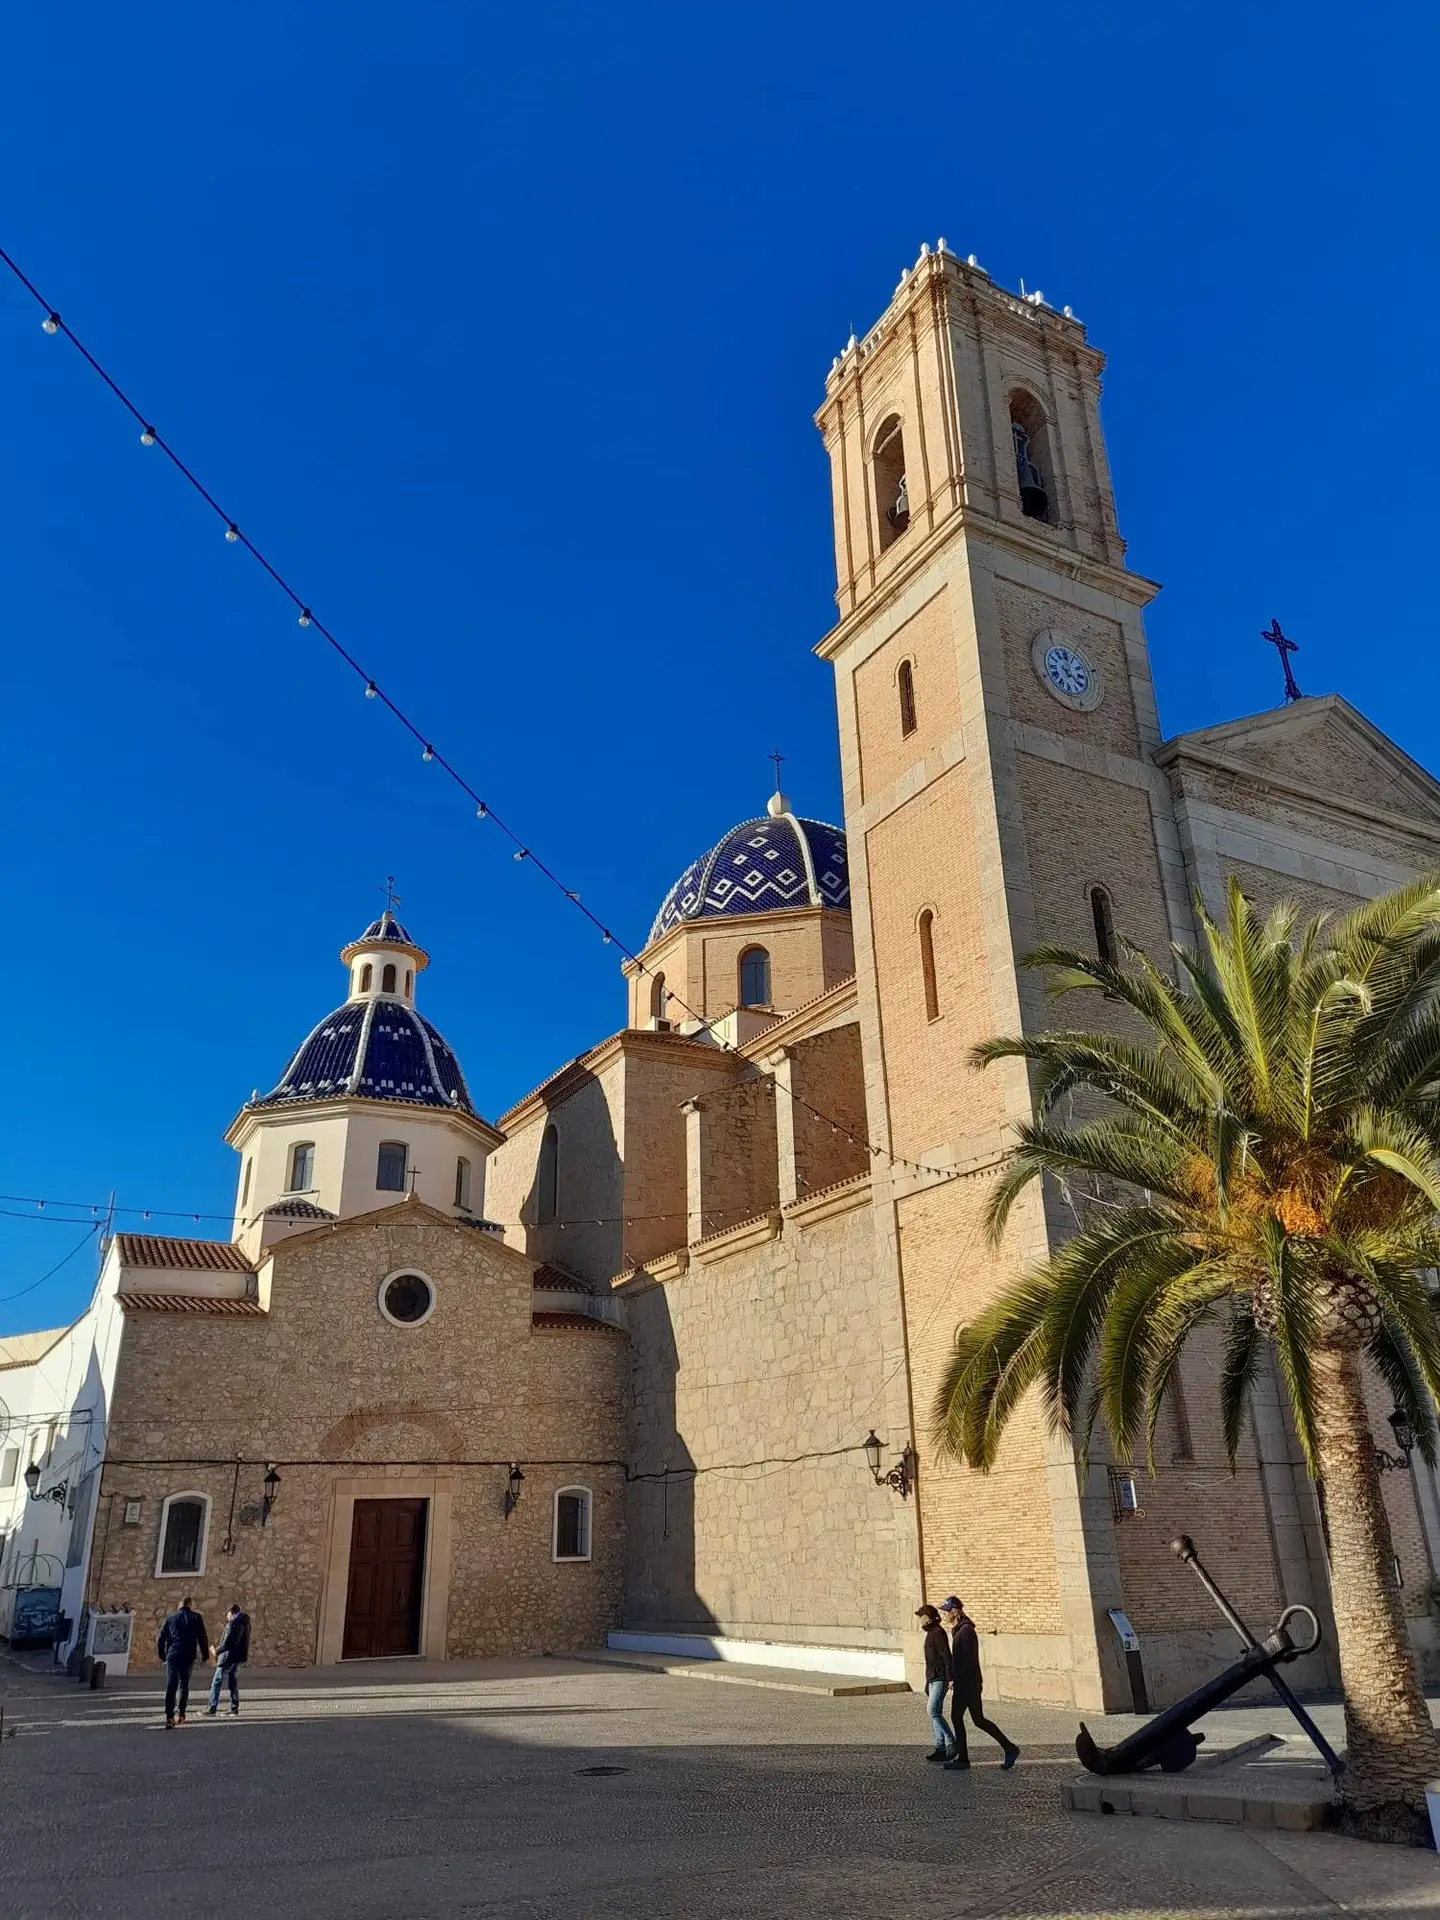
(349, 1405)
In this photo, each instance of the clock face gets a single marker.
(1067, 673)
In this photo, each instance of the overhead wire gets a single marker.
(151, 436)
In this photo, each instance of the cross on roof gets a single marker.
(392, 899)
(777, 757)
(1284, 646)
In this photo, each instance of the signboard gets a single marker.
(37, 1610)
(1129, 1639)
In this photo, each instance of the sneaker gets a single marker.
(210, 1712)
(233, 1712)
(937, 1754)
(957, 1766)
(179, 1719)
(1012, 1754)
(169, 1722)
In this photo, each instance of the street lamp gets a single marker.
(512, 1491)
(271, 1484)
(32, 1485)
(901, 1477)
(1399, 1424)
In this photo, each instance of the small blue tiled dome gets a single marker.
(373, 1050)
(762, 866)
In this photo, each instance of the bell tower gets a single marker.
(997, 721)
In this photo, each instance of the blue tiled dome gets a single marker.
(373, 1050)
(759, 867)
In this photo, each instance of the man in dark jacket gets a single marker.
(968, 1686)
(231, 1654)
(937, 1679)
(181, 1641)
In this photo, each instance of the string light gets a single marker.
(51, 324)
(147, 438)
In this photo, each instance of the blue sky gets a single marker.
(502, 329)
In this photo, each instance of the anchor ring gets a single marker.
(1309, 1613)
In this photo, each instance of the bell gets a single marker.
(899, 514)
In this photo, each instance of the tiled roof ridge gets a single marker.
(736, 1226)
(583, 1322)
(835, 1186)
(191, 1303)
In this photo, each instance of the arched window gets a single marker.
(387, 978)
(572, 1523)
(390, 1167)
(547, 1177)
(905, 685)
(1032, 455)
(409, 983)
(892, 495)
(925, 930)
(302, 1167)
(245, 1183)
(755, 977)
(184, 1522)
(462, 1182)
(1104, 920)
(659, 999)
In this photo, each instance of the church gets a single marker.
(651, 1357)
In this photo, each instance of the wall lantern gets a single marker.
(901, 1477)
(272, 1487)
(1399, 1424)
(512, 1492)
(32, 1485)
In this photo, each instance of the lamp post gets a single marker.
(1404, 1433)
(271, 1484)
(512, 1491)
(32, 1485)
(901, 1477)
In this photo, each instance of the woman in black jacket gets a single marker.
(937, 1678)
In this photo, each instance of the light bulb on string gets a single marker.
(304, 616)
(605, 936)
(51, 323)
(429, 753)
(147, 438)
(481, 811)
(232, 533)
(522, 852)
(370, 689)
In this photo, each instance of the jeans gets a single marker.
(971, 1703)
(177, 1685)
(226, 1674)
(935, 1703)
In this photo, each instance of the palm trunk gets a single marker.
(1392, 1745)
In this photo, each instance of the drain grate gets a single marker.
(592, 1771)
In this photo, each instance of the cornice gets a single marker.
(840, 998)
(1182, 752)
(844, 1197)
(333, 1104)
(561, 1084)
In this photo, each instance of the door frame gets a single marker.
(438, 1489)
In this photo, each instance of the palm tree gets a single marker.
(1271, 1153)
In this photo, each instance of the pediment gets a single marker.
(1321, 747)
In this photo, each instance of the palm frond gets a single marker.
(1392, 1358)
(1240, 1368)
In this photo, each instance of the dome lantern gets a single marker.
(384, 961)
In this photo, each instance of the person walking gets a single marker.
(182, 1640)
(230, 1655)
(937, 1679)
(968, 1686)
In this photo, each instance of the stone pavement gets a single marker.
(391, 1789)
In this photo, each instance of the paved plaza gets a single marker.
(545, 1788)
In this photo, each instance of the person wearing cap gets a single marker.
(937, 1679)
(968, 1685)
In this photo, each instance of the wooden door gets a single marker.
(387, 1578)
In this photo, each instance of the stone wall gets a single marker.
(754, 1376)
(350, 1405)
(731, 1155)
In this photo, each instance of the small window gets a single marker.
(245, 1183)
(302, 1167)
(925, 928)
(905, 683)
(547, 1177)
(659, 998)
(406, 1299)
(391, 1167)
(387, 978)
(462, 1182)
(182, 1534)
(1104, 920)
(755, 977)
(367, 974)
(892, 494)
(572, 1523)
(9, 1466)
(1032, 455)
(409, 982)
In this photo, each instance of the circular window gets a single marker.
(406, 1298)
